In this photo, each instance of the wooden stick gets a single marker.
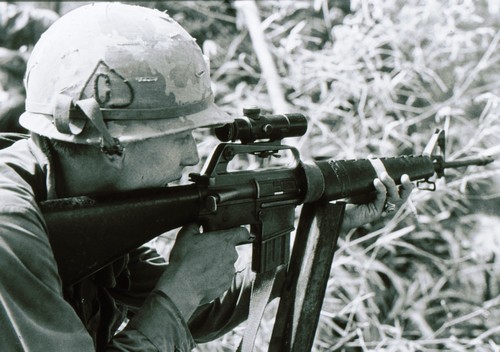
(307, 277)
(250, 13)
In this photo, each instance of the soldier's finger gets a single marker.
(381, 194)
(390, 185)
(406, 187)
(189, 230)
(238, 235)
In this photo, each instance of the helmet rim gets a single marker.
(127, 130)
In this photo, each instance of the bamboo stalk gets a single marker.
(249, 11)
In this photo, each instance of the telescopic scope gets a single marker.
(253, 126)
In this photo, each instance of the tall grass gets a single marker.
(377, 81)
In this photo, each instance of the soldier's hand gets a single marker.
(201, 266)
(389, 199)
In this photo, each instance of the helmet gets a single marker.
(110, 72)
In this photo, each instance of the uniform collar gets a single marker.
(43, 154)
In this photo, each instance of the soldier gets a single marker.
(113, 94)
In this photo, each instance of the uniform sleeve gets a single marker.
(220, 316)
(144, 268)
(155, 322)
(217, 318)
(33, 313)
(210, 321)
(157, 326)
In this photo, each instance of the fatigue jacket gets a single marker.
(37, 313)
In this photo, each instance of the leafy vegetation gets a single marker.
(376, 80)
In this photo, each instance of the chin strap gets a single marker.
(92, 111)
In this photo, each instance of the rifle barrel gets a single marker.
(485, 160)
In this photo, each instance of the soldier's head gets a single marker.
(113, 77)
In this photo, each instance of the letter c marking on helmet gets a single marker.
(102, 88)
(109, 88)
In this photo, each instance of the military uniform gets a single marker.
(105, 74)
(38, 313)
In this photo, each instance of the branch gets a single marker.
(248, 9)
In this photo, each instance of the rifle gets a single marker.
(87, 233)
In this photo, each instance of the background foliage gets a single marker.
(376, 78)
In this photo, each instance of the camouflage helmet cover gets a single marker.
(114, 70)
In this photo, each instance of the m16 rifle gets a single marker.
(87, 233)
